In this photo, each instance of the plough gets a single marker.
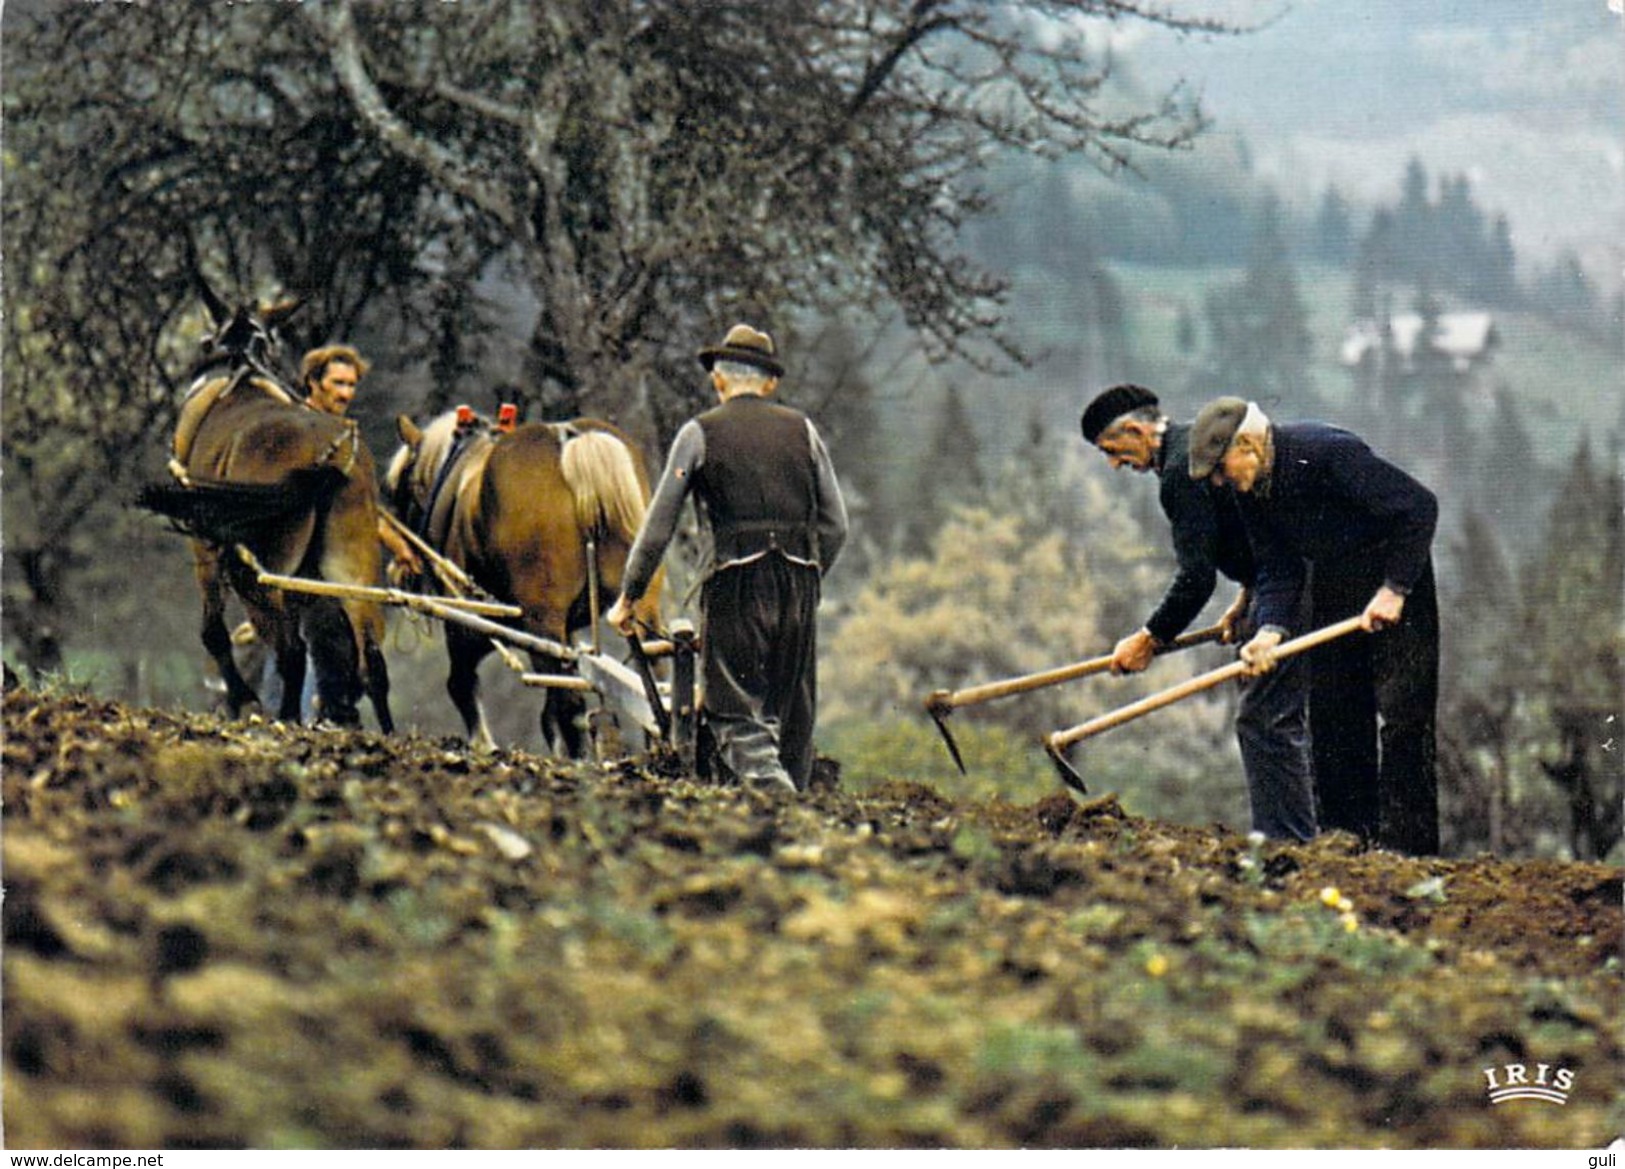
(666, 712)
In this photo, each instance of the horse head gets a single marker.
(246, 336)
(399, 477)
(419, 466)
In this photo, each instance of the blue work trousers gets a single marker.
(1272, 729)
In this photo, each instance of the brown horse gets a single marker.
(256, 470)
(518, 512)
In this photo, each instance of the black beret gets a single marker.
(1110, 405)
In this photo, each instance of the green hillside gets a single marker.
(1577, 377)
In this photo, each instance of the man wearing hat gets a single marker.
(1127, 425)
(1328, 516)
(766, 493)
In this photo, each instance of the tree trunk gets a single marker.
(37, 626)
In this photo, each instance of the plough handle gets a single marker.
(651, 688)
(1059, 741)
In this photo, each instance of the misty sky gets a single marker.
(1522, 96)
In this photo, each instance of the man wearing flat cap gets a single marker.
(766, 493)
(1327, 515)
(1127, 425)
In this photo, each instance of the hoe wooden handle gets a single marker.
(943, 701)
(1059, 741)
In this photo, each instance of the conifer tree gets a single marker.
(1574, 623)
(1334, 228)
(950, 472)
(1479, 699)
(1414, 248)
(1260, 344)
(1501, 276)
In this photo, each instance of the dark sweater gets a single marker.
(1333, 502)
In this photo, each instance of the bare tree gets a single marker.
(658, 164)
(639, 173)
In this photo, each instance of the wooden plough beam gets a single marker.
(616, 684)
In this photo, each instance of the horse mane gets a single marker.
(435, 448)
(604, 481)
(437, 445)
(434, 444)
(439, 437)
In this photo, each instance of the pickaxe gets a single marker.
(941, 703)
(1058, 742)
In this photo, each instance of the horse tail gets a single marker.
(604, 480)
(233, 513)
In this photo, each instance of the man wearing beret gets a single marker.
(766, 493)
(1329, 516)
(1127, 425)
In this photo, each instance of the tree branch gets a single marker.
(344, 51)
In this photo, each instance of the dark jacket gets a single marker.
(1209, 537)
(1333, 502)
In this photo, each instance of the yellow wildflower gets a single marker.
(1332, 898)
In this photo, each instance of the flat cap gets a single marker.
(747, 346)
(1110, 405)
(1211, 433)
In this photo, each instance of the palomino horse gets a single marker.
(518, 512)
(255, 469)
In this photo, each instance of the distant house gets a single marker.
(1467, 339)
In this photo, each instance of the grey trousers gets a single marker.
(760, 656)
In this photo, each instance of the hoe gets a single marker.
(1058, 742)
(941, 703)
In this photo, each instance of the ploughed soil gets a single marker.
(240, 934)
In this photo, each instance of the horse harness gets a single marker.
(462, 445)
(206, 394)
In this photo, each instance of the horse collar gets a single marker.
(346, 435)
(460, 446)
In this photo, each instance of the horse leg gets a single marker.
(290, 667)
(466, 651)
(215, 636)
(367, 627)
(350, 554)
(564, 713)
(337, 660)
(376, 676)
(278, 624)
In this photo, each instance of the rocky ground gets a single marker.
(248, 935)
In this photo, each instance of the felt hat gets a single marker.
(1211, 433)
(745, 345)
(1110, 405)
